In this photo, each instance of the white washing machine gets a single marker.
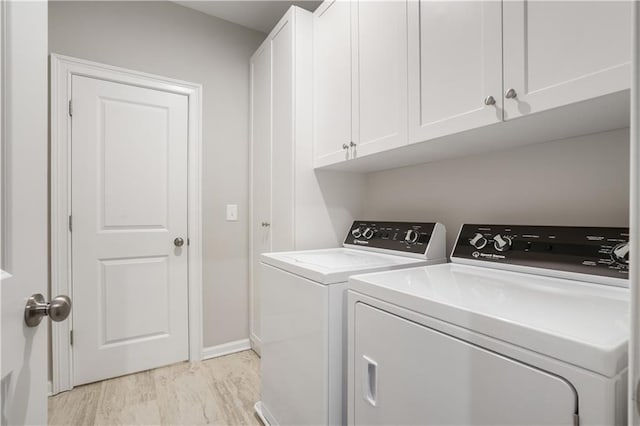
(528, 325)
(303, 306)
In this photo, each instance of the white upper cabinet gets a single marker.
(332, 82)
(410, 81)
(561, 52)
(360, 79)
(455, 66)
(379, 75)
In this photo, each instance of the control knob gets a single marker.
(356, 233)
(478, 241)
(368, 233)
(620, 253)
(501, 243)
(412, 236)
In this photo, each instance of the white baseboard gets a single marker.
(226, 348)
(256, 344)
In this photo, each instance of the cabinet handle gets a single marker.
(352, 144)
(510, 94)
(370, 381)
(265, 224)
(345, 146)
(489, 100)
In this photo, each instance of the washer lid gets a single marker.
(583, 324)
(329, 266)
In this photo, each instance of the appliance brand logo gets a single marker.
(360, 242)
(475, 254)
(490, 256)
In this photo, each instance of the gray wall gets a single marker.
(170, 40)
(581, 181)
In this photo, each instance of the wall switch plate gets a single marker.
(232, 212)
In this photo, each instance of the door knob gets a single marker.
(178, 242)
(36, 308)
(489, 100)
(345, 146)
(510, 94)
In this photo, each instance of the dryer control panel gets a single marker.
(585, 250)
(403, 237)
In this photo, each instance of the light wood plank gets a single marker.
(217, 391)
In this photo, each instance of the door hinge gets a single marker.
(576, 419)
(70, 223)
(71, 337)
(70, 108)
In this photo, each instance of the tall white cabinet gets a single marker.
(292, 207)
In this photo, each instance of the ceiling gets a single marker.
(259, 15)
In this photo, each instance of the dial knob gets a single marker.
(412, 236)
(356, 233)
(620, 253)
(368, 233)
(501, 243)
(478, 241)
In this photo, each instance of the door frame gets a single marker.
(62, 68)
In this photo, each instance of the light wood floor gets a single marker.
(218, 391)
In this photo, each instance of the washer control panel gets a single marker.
(406, 237)
(586, 250)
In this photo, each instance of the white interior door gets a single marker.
(23, 40)
(129, 205)
(260, 176)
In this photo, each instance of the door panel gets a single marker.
(282, 218)
(561, 52)
(379, 108)
(332, 82)
(405, 373)
(129, 202)
(455, 58)
(261, 173)
(23, 224)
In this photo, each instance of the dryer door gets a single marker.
(405, 373)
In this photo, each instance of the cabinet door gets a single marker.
(408, 374)
(379, 78)
(282, 128)
(561, 52)
(260, 67)
(332, 82)
(455, 63)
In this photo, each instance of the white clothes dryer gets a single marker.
(303, 306)
(527, 325)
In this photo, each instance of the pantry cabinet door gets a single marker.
(332, 82)
(379, 78)
(562, 52)
(455, 64)
(260, 68)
